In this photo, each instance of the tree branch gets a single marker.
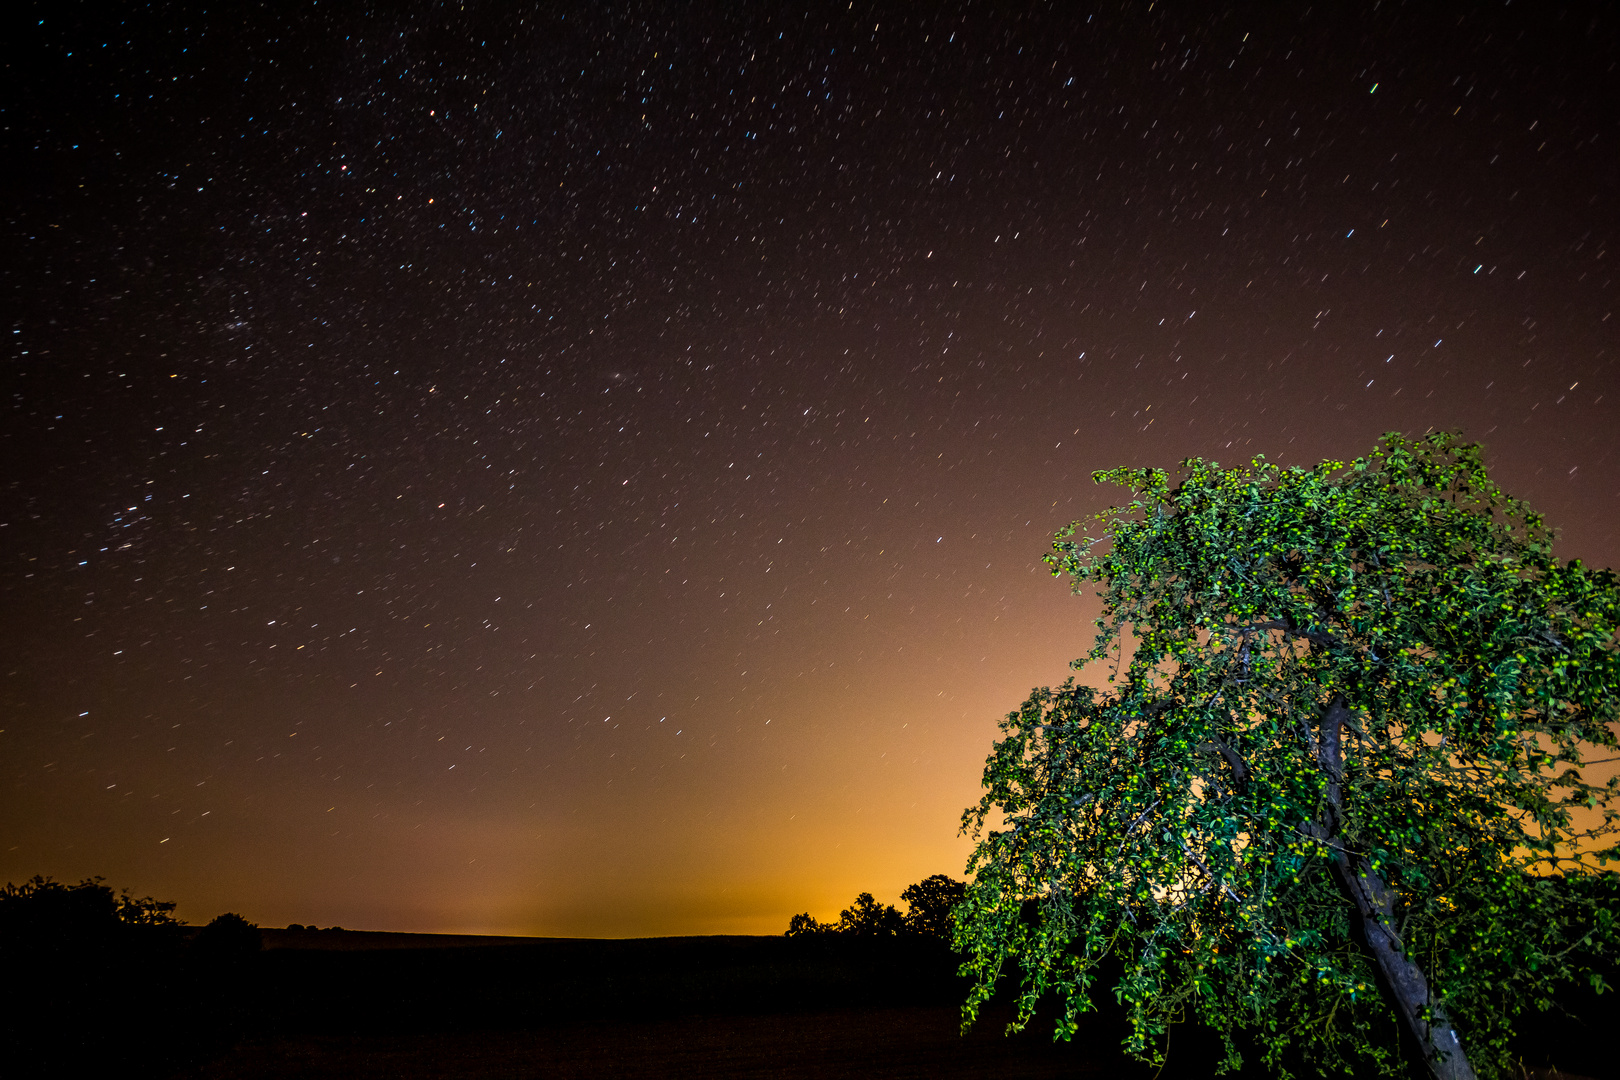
(1240, 769)
(1287, 626)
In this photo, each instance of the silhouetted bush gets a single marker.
(105, 983)
(72, 955)
(228, 936)
(41, 913)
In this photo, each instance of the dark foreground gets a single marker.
(362, 1006)
(916, 1041)
(318, 1004)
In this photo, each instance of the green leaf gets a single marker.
(1188, 821)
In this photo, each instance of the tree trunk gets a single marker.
(1424, 1016)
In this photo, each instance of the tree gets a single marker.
(1332, 786)
(928, 913)
(805, 924)
(868, 918)
(929, 904)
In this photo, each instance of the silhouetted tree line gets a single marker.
(929, 904)
(98, 980)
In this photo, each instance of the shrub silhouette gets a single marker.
(228, 935)
(64, 949)
(45, 913)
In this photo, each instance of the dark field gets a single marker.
(318, 1004)
(379, 1005)
(919, 1041)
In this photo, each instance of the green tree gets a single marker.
(929, 904)
(1334, 783)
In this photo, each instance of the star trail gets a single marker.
(584, 469)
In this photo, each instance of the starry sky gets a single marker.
(583, 469)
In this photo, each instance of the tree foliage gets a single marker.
(71, 952)
(929, 906)
(868, 918)
(1335, 782)
(805, 924)
(43, 913)
(864, 918)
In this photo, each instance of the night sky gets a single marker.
(585, 470)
